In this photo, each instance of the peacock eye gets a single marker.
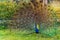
(41, 5)
(35, 14)
(23, 4)
(29, 3)
(41, 1)
(36, 2)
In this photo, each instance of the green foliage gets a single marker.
(7, 9)
(3, 26)
(19, 35)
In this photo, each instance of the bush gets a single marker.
(7, 9)
(3, 26)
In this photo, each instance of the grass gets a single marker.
(19, 35)
(24, 35)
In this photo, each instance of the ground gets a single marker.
(19, 35)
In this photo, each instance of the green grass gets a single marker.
(24, 35)
(19, 35)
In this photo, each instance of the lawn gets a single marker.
(7, 34)
(19, 35)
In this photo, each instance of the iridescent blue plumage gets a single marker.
(36, 29)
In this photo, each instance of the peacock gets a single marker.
(33, 15)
